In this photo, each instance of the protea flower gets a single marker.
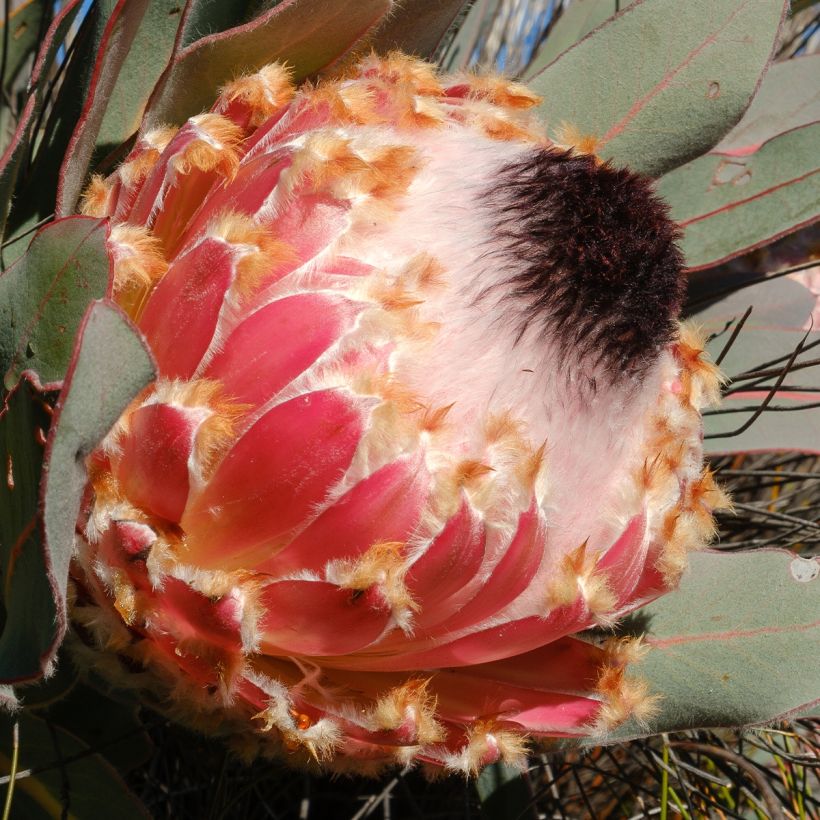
(424, 413)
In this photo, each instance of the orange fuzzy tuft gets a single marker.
(95, 200)
(260, 254)
(383, 567)
(138, 265)
(578, 577)
(701, 379)
(502, 426)
(623, 698)
(434, 418)
(423, 271)
(489, 741)
(345, 104)
(402, 69)
(531, 466)
(706, 492)
(148, 150)
(625, 651)
(409, 708)
(569, 136)
(264, 93)
(125, 596)
(502, 92)
(468, 473)
(216, 147)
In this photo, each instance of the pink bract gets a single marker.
(390, 468)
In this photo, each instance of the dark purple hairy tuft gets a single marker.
(596, 257)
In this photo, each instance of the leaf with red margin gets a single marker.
(13, 157)
(663, 81)
(24, 27)
(109, 56)
(17, 150)
(738, 644)
(728, 205)
(417, 27)
(781, 311)
(44, 294)
(115, 62)
(147, 58)
(27, 594)
(109, 366)
(575, 22)
(288, 33)
(788, 98)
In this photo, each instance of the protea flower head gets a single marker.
(424, 413)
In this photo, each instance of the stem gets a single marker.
(15, 754)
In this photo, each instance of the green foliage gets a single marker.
(729, 204)
(108, 367)
(109, 35)
(781, 309)
(579, 19)
(416, 27)
(504, 792)
(23, 36)
(29, 597)
(788, 98)
(15, 160)
(111, 726)
(660, 85)
(287, 33)
(738, 644)
(144, 62)
(44, 295)
(663, 81)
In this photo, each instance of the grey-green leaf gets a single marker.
(505, 792)
(737, 645)
(12, 163)
(663, 81)
(778, 323)
(24, 27)
(728, 205)
(417, 27)
(788, 98)
(109, 366)
(577, 20)
(287, 32)
(44, 295)
(28, 598)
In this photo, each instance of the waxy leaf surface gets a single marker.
(109, 366)
(287, 32)
(120, 45)
(28, 595)
(12, 163)
(575, 22)
(417, 27)
(663, 81)
(44, 294)
(788, 98)
(24, 26)
(728, 205)
(738, 644)
(780, 321)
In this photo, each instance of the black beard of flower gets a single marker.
(598, 267)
